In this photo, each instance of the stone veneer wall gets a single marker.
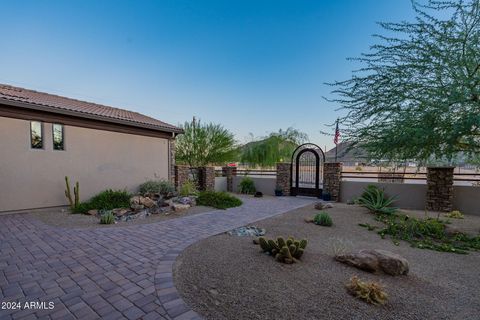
(229, 172)
(283, 177)
(439, 189)
(332, 177)
(182, 174)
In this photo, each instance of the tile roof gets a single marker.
(79, 108)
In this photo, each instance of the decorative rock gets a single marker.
(136, 200)
(147, 202)
(119, 212)
(187, 200)
(258, 194)
(180, 207)
(323, 205)
(137, 207)
(247, 231)
(93, 212)
(376, 261)
(308, 220)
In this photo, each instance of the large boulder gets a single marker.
(137, 201)
(376, 261)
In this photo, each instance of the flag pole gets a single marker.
(335, 140)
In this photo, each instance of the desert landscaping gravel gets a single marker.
(227, 277)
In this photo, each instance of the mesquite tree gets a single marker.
(204, 144)
(417, 95)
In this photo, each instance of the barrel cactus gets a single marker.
(286, 251)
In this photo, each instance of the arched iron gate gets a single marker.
(307, 171)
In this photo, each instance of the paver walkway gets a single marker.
(109, 273)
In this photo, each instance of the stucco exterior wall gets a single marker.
(98, 159)
(413, 196)
(266, 185)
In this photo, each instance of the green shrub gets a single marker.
(247, 186)
(219, 200)
(323, 219)
(375, 200)
(107, 218)
(188, 188)
(162, 187)
(106, 200)
(455, 215)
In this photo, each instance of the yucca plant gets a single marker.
(375, 200)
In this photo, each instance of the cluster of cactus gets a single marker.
(107, 217)
(286, 251)
(76, 191)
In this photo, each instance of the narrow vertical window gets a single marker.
(36, 135)
(58, 141)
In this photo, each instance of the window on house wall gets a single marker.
(58, 138)
(36, 135)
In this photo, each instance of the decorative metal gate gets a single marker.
(307, 171)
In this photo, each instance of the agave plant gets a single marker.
(375, 200)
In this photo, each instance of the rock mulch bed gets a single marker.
(63, 218)
(225, 277)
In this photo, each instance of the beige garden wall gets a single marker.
(97, 159)
(412, 196)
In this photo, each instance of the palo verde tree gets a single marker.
(276, 147)
(417, 95)
(204, 144)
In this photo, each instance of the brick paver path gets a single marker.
(109, 273)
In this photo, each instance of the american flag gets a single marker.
(337, 134)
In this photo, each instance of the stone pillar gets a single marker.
(206, 179)
(229, 172)
(181, 175)
(439, 189)
(332, 177)
(283, 177)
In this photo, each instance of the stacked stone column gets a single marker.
(283, 177)
(439, 189)
(229, 172)
(206, 178)
(182, 174)
(332, 178)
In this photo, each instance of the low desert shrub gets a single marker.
(219, 200)
(323, 219)
(188, 188)
(288, 251)
(106, 200)
(375, 200)
(247, 186)
(107, 218)
(369, 291)
(455, 215)
(426, 234)
(162, 187)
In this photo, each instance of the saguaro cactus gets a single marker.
(68, 193)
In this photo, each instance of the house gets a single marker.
(45, 137)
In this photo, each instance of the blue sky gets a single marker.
(253, 66)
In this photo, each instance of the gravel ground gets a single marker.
(59, 217)
(226, 277)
